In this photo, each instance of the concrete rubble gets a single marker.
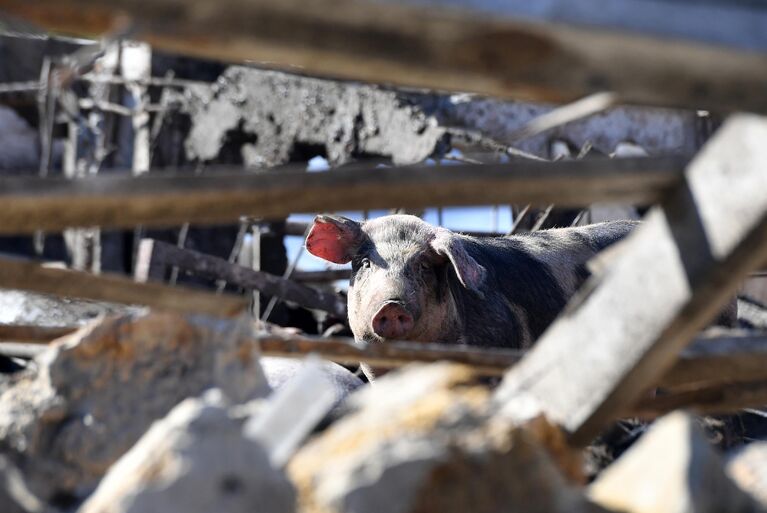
(195, 460)
(269, 116)
(158, 412)
(98, 390)
(422, 440)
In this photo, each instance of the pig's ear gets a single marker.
(334, 238)
(470, 273)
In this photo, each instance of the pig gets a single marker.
(414, 281)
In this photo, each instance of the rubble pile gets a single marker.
(144, 412)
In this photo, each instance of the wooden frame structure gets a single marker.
(707, 232)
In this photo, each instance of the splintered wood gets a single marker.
(667, 280)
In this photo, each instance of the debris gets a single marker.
(421, 440)
(280, 371)
(195, 460)
(19, 307)
(671, 469)
(96, 392)
(292, 412)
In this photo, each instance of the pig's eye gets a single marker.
(424, 265)
(365, 263)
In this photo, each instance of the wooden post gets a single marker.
(255, 264)
(148, 266)
(136, 69)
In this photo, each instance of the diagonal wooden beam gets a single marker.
(162, 199)
(164, 254)
(665, 282)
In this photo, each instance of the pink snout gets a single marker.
(392, 321)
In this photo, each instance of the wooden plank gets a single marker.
(663, 284)
(162, 199)
(148, 266)
(20, 350)
(29, 276)
(479, 47)
(487, 362)
(717, 360)
(218, 268)
(299, 228)
(737, 21)
(705, 368)
(29, 333)
(716, 398)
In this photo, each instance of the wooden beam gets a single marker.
(486, 362)
(217, 268)
(663, 284)
(709, 362)
(33, 334)
(711, 365)
(478, 48)
(299, 228)
(716, 397)
(735, 20)
(24, 350)
(713, 399)
(29, 276)
(162, 199)
(716, 360)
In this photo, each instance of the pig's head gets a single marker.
(403, 272)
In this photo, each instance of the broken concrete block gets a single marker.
(195, 460)
(283, 111)
(748, 468)
(97, 391)
(421, 439)
(671, 469)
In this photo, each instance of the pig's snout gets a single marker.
(392, 321)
